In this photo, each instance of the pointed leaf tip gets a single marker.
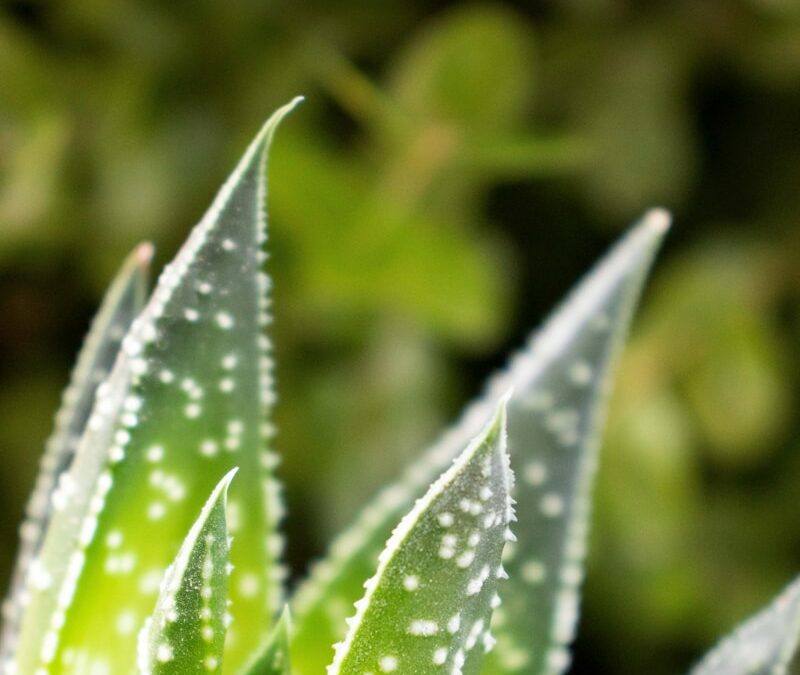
(186, 632)
(122, 303)
(430, 602)
(561, 381)
(658, 219)
(143, 254)
(274, 657)
(268, 129)
(225, 483)
(189, 395)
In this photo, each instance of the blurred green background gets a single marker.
(454, 170)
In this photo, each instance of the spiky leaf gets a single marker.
(274, 658)
(560, 382)
(186, 633)
(554, 438)
(187, 399)
(764, 645)
(123, 301)
(430, 603)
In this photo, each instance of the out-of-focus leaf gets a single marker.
(409, 264)
(124, 300)
(29, 180)
(472, 66)
(560, 383)
(764, 645)
(187, 399)
(630, 111)
(714, 331)
(186, 632)
(274, 658)
(430, 602)
(524, 156)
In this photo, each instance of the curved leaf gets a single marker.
(430, 603)
(576, 346)
(123, 301)
(764, 645)
(186, 633)
(187, 399)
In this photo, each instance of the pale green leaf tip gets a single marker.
(257, 150)
(497, 425)
(143, 255)
(224, 484)
(658, 220)
(268, 129)
(136, 270)
(285, 619)
(278, 641)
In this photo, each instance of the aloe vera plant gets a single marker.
(128, 565)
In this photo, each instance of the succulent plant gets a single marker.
(167, 416)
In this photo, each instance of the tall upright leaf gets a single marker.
(123, 301)
(554, 440)
(560, 381)
(186, 633)
(430, 603)
(766, 644)
(188, 398)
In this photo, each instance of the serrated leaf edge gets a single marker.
(525, 365)
(174, 575)
(566, 611)
(129, 362)
(406, 525)
(131, 278)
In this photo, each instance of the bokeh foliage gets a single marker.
(455, 168)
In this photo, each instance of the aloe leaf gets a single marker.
(766, 644)
(188, 399)
(430, 603)
(274, 657)
(555, 439)
(123, 301)
(560, 382)
(186, 632)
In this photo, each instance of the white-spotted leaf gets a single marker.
(274, 658)
(766, 644)
(429, 605)
(554, 437)
(560, 383)
(186, 632)
(123, 301)
(187, 399)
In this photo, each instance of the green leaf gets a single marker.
(566, 365)
(629, 103)
(443, 76)
(123, 301)
(273, 658)
(764, 645)
(409, 261)
(430, 603)
(188, 399)
(554, 437)
(186, 633)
